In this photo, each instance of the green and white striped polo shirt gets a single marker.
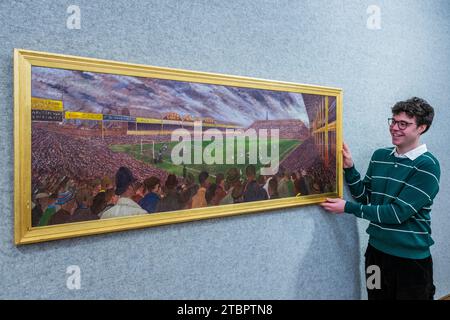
(396, 196)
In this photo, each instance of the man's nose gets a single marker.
(394, 125)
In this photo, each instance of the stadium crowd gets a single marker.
(72, 182)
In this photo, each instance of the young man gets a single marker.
(396, 196)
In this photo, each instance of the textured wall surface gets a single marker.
(300, 253)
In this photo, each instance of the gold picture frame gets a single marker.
(24, 60)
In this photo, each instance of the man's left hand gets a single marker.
(335, 205)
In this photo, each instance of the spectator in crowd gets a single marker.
(171, 200)
(107, 183)
(307, 179)
(109, 200)
(188, 190)
(124, 189)
(220, 192)
(253, 191)
(300, 185)
(285, 185)
(234, 187)
(290, 183)
(210, 192)
(83, 212)
(153, 189)
(316, 188)
(199, 200)
(261, 180)
(42, 201)
(84, 201)
(139, 191)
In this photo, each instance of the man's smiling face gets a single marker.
(404, 130)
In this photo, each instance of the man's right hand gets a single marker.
(347, 156)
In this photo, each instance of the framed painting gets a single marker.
(103, 146)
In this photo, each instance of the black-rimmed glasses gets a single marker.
(402, 125)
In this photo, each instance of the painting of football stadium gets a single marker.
(106, 145)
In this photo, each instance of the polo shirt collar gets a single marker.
(411, 154)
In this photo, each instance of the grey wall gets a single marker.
(300, 253)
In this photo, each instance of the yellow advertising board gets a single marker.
(46, 104)
(83, 115)
(148, 120)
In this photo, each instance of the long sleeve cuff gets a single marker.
(349, 169)
(352, 207)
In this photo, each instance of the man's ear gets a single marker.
(422, 128)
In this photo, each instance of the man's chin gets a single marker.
(396, 142)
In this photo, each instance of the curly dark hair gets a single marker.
(417, 108)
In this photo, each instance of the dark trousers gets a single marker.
(401, 279)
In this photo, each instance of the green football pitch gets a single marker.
(145, 151)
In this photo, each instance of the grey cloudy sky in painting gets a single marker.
(147, 97)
